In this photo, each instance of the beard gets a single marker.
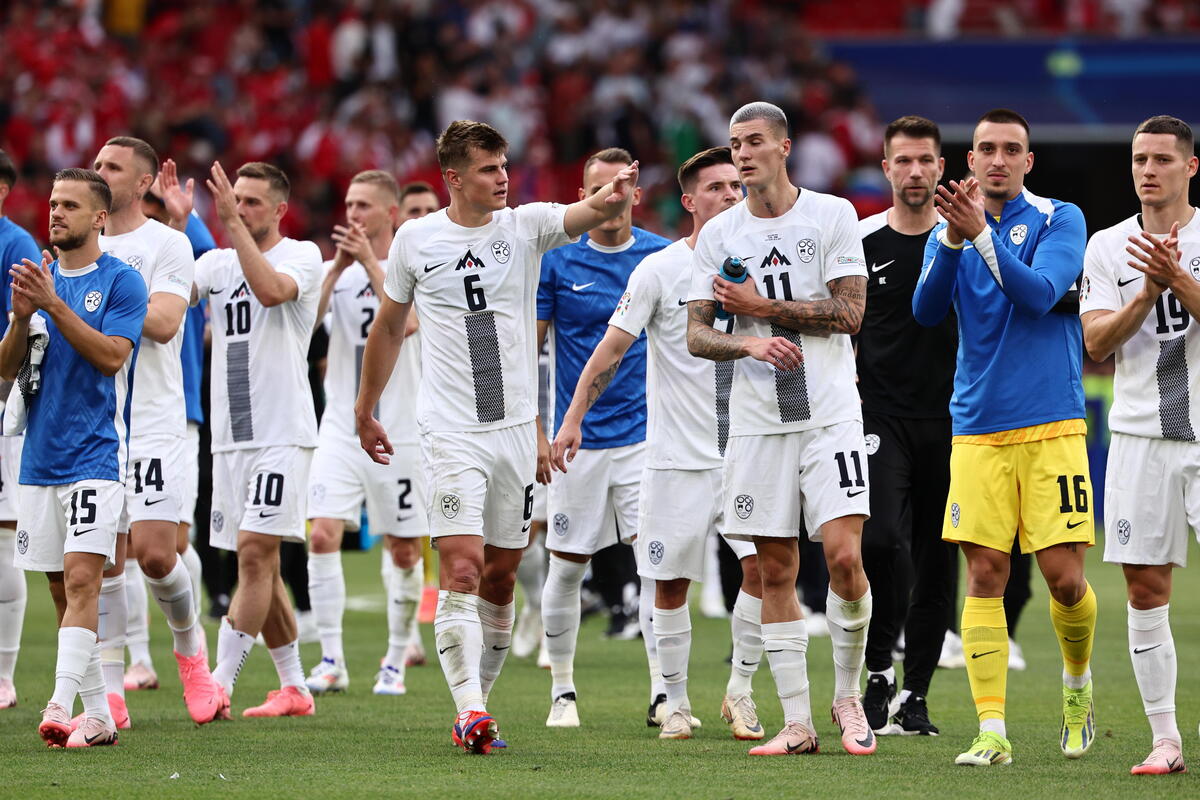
(68, 241)
(915, 201)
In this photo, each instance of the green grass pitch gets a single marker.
(359, 745)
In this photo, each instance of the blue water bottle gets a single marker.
(734, 271)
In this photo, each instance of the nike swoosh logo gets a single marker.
(791, 749)
(155, 502)
(265, 515)
(746, 663)
(1071, 525)
(498, 648)
(215, 291)
(682, 302)
(1074, 641)
(876, 268)
(451, 647)
(854, 630)
(1138, 652)
(525, 529)
(866, 741)
(90, 739)
(672, 675)
(435, 266)
(981, 655)
(1128, 280)
(854, 494)
(1174, 762)
(339, 291)
(401, 518)
(780, 650)
(85, 530)
(555, 635)
(575, 287)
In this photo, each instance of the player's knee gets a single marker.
(501, 581)
(843, 562)
(1067, 588)
(325, 539)
(462, 575)
(157, 563)
(405, 552)
(774, 573)
(750, 576)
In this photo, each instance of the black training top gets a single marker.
(904, 369)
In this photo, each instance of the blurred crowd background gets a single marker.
(325, 89)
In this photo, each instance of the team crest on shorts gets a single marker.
(22, 542)
(1124, 529)
(91, 300)
(871, 440)
(1018, 233)
(955, 514)
(562, 524)
(656, 550)
(218, 521)
(743, 506)
(450, 506)
(806, 249)
(501, 251)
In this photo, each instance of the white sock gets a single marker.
(327, 589)
(1155, 666)
(673, 630)
(191, 560)
(745, 625)
(12, 605)
(458, 635)
(889, 674)
(994, 725)
(232, 648)
(404, 587)
(75, 650)
(786, 644)
(173, 593)
(137, 625)
(287, 665)
(649, 640)
(560, 618)
(92, 690)
(848, 621)
(114, 618)
(497, 624)
(902, 698)
(531, 574)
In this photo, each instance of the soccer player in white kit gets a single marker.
(473, 270)
(688, 425)
(263, 295)
(1140, 298)
(795, 422)
(156, 473)
(342, 474)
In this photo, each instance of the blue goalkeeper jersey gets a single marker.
(15, 244)
(192, 352)
(581, 285)
(1020, 361)
(78, 425)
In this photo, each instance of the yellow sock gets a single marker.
(985, 647)
(1075, 626)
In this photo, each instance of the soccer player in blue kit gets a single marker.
(595, 504)
(72, 473)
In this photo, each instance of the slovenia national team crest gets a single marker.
(806, 249)
(871, 440)
(450, 506)
(955, 514)
(743, 506)
(655, 551)
(1196, 268)
(22, 542)
(135, 262)
(1124, 529)
(218, 521)
(562, 524)
(501, 251)
(91, 300)
(1018, 233)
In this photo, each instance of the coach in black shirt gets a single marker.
(906, 376)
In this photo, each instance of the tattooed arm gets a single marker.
(599, 371)
(706, 342)
(841, 313)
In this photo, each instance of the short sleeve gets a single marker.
(202, 275)
(549, 220)
(303, 266)
(843, 249)
(705, 264)
(400, 278)
(636, 307)
(545, 292)
(175, 268)
(1098, 290)
(19, 247)
(126, 309)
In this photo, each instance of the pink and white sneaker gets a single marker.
(795, 739)
(290, 701)
(116, 707)
(139, 676)
(857, 737)
(201, 694)
(1164, 759)
(92, 733)
(56, 725)
(8, 694)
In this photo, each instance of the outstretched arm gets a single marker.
(596, 209)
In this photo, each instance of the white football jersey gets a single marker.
(352, 310)
(475, 290)
(163, 256)
(688, 396)
(260, 393)
(791, 257)
(1156, 391)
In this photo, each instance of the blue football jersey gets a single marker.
(78, 425)
(192, 352)
(15, 244)
(581, 285)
